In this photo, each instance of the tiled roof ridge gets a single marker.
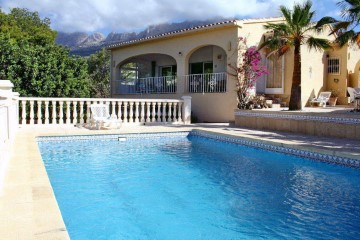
(186, 30)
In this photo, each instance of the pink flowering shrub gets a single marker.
(247, 72)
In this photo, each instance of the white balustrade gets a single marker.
(81, 111)
(153, 112)
(163, 112)
(131, 118)
(142, 114)
(32, 112)
(159, 112)
(148, 111)
(53, 111)
(9, 119)
(169, 112)
(125, 112)
(46, 112)
(136, 112)
(39, 116)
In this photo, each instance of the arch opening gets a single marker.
(207, 67)
(146, 74)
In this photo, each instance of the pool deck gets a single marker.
(28, 208)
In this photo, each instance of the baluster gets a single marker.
(153, 112)
(142, 114)
(148, 111)
(39, 120)
(125, 112)
(119, 110)
(46, 112)
(68, 112)
(179, 112)
(23, 114)
(136, 112)
(61, 112)
(164, 112)
(81, 112)
(88, 103)
(113, 113)
(131, 117)
(75, 120)
(31, 112)
(158, 112)
(174, 112)
(53, 121)
(169, 113)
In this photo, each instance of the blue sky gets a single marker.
(135, 15)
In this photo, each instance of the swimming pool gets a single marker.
(190, 187)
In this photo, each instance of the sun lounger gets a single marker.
(322, 99)
(100, 116)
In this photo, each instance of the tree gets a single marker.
(247, 72)
(99, 73)
(290, 36)
(36, 65)
(347, 30)
(21, 24)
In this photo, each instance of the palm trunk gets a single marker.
(295, 98)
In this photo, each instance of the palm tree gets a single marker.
(289, 36)
(347, 30)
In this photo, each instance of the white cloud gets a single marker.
(132, 15)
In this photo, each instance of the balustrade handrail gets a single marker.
(99, 99)
(51, 111)
(207, 74)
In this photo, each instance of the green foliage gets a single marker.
(36, 65)
(21, 24)
(99, 73)
(297, 30)
(346, 30)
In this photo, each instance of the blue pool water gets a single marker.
(198, 188)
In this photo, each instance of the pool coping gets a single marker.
(327, 156)
(29, 209)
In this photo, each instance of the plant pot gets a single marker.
(332, 101)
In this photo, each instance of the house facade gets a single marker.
(194, 62)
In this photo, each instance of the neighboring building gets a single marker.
(194, 62)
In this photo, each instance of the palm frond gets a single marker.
(318, 44)
(350, 9)
(287, 14)
(340, 27)
(324, 22)
(283, 49)
(345, 37)
(306, 14)
(270, 43)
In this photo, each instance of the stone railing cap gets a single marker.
(6, 84)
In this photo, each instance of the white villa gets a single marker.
(194, 62)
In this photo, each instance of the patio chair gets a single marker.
(100, 116)
(354, 96)
(322, 99)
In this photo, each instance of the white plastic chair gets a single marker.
(101, 117)
(322, 99)
(354, 96)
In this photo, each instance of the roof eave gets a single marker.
(174, 34)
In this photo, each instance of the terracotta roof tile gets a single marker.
(201, 27)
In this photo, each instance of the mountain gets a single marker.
(84, 44)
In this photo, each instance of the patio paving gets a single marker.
(28, 208)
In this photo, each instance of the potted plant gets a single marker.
(333, 98)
